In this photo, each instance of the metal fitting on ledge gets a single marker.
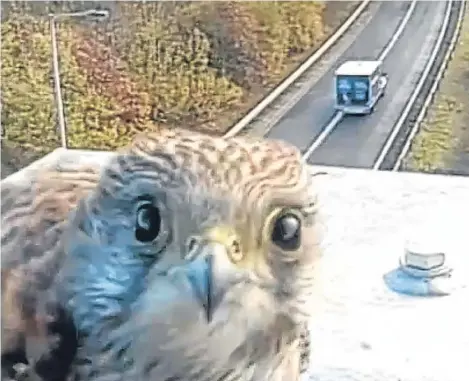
(421, 272)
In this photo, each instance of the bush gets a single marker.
(253, 42)
(28, 112)
(152, 65)
(170, 61)
(27, 97)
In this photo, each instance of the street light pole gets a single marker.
(57, 87)
(95, 14)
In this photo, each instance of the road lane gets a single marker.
(357, 140)
(304, 121)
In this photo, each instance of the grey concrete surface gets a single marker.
(306, 119)
(357, 140)
(361, 330)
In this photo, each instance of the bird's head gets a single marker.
(243, 207)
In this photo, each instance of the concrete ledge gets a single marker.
(362, 330)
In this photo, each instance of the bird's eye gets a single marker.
(148, 223)
(286, 232)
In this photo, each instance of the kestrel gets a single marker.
(242, 211)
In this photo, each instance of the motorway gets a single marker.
(356, 141)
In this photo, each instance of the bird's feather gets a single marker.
(127, 325)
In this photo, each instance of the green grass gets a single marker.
(443, 134)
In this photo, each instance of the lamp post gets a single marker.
(92, 14)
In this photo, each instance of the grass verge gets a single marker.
(442, 143)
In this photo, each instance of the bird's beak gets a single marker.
(212, 267)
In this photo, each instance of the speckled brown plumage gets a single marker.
(201, 181)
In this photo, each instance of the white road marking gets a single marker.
(339, 115)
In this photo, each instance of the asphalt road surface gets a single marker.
(304, 122)
(358, 140)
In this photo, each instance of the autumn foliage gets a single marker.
(152, 65)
